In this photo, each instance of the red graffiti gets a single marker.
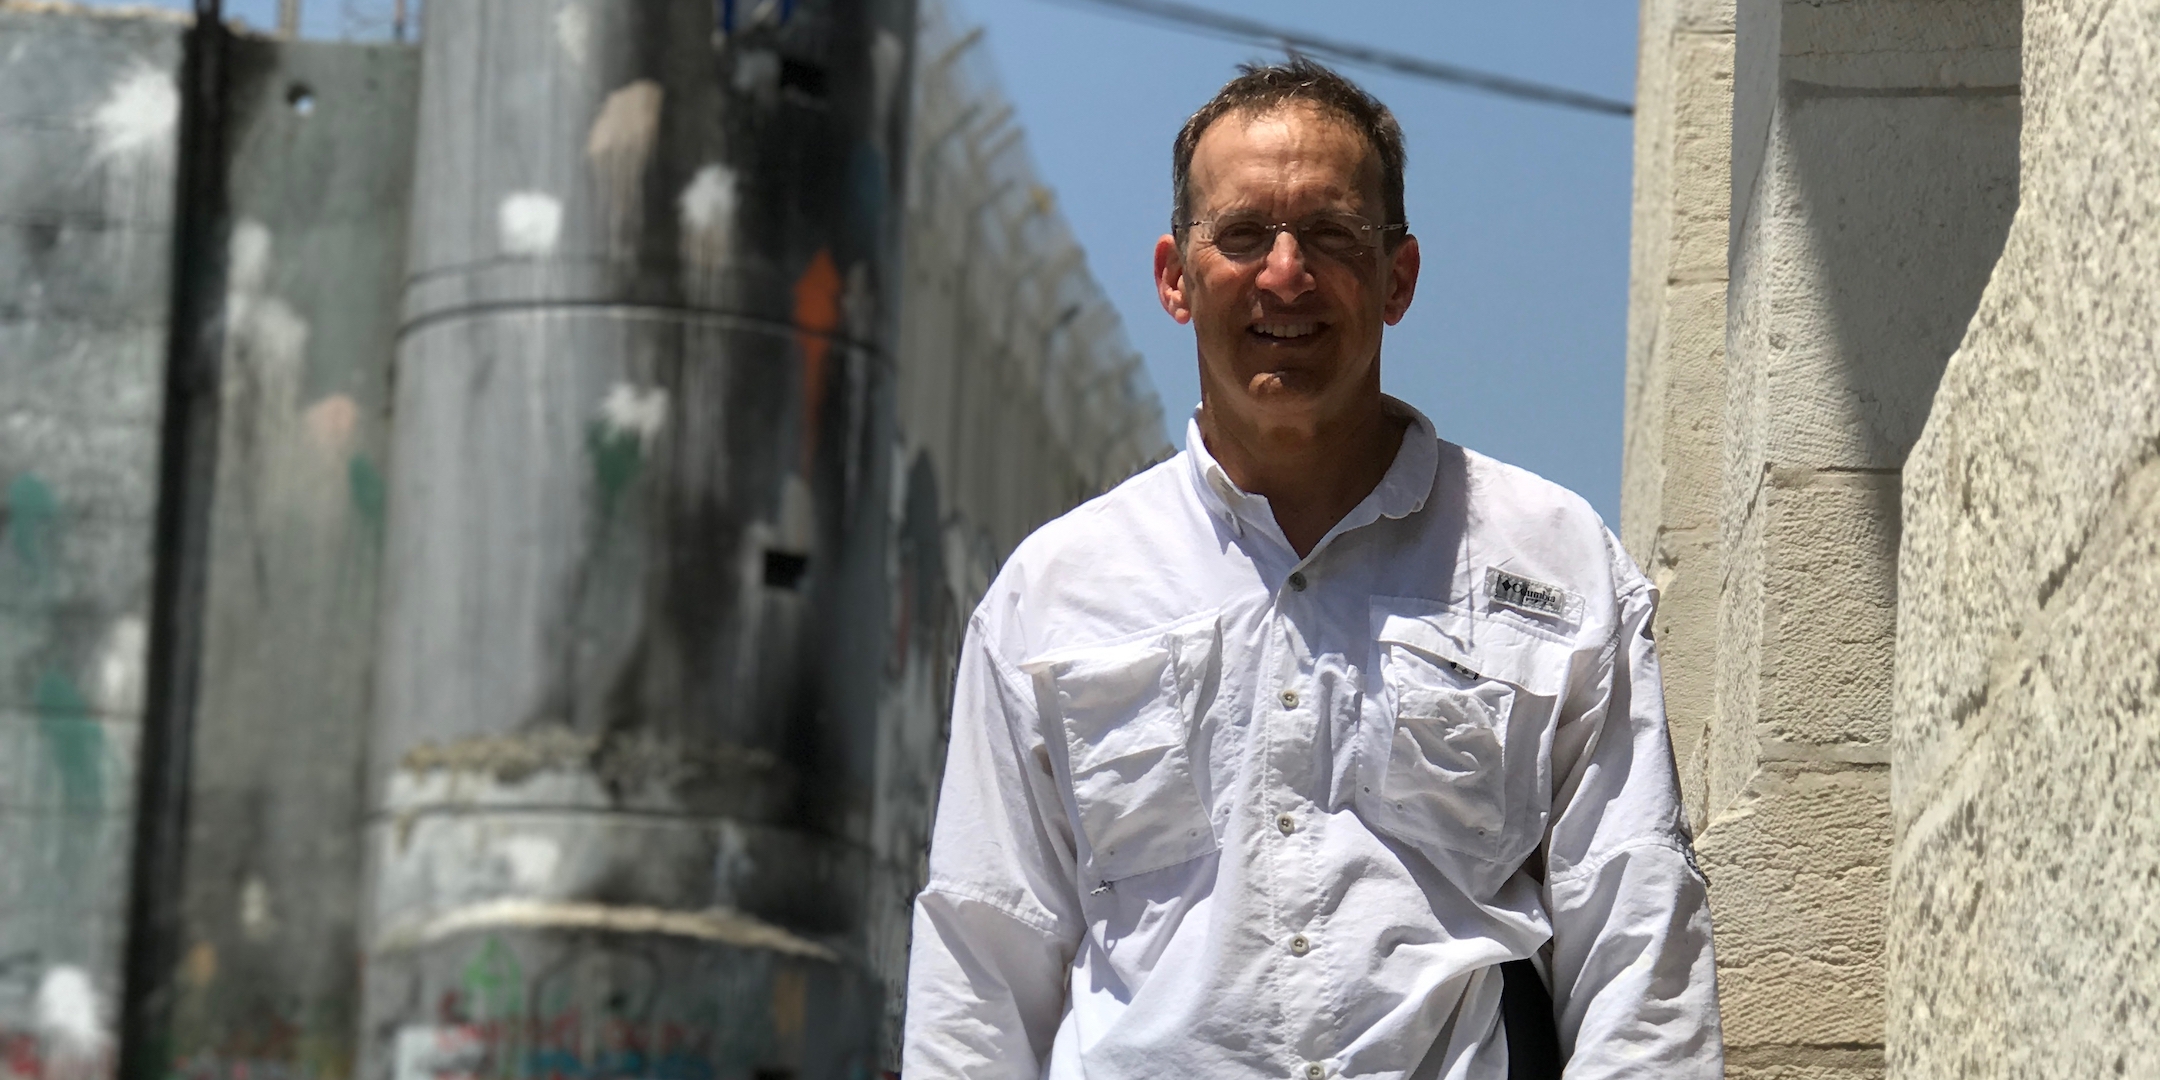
(817, 315)
(19, 1055)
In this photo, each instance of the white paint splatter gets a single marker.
(120, 666)
(528, 223)
(886, 54)
(573, 31)
(140, 116)
(265, 331)
(619, 146)
(532, 860)
(450, 1052)
(634, 411)
(70, 1018)
(709, 201)
(708, 207)
(256, 919)
(248, 259)
(732, 863)
(275, 332)
(757, 74)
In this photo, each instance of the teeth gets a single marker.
(1286, 330)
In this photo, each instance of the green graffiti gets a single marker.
(494, 984)
(616, 457)
(75, 740)
(369, 493)
(31, 513)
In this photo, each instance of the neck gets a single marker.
(1311, 475)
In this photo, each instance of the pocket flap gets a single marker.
(1119, 702)
(1487, 647)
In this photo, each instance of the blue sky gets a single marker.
(1515, 344)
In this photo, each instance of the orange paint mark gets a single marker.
(817, 315)
(201, 966)
(790, 1000)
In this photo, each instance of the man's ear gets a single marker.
(1402, 279)
(1170, 279)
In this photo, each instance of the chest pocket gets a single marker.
(1128, 715)
(1456, 737)
(1447, 756)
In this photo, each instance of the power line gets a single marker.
(1237, 28)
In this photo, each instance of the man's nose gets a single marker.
(1285, 274)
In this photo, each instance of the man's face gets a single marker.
(1288, 337)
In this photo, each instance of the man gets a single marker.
(1266, 762)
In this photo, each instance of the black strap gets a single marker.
(1526, 1011)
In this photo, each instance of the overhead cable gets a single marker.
(1198, 19)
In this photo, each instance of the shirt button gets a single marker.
(1289, 699)
(1315, 1071)
(1286, 823)
(1297, 582)
(1300, 945)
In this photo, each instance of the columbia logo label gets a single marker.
(1523, 594)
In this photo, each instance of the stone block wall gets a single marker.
(1874, 176)
(1774, 395)
(1673, 459)
(2024, 934)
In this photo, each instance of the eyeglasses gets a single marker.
(1336, 235)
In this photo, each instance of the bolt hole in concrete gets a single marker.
(300, 98)
(804, 78)
(785, 569)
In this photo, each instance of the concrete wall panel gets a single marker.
(319, 144)
(88, 124)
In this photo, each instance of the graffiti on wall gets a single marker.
(605, 1006)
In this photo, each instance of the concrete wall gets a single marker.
(1010, 396)
(319, 141)
(2025, 894)
(88, 116)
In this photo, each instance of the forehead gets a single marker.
(1295, 153)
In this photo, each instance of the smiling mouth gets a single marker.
(1287, 331)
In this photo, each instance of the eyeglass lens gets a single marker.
(1332, 235)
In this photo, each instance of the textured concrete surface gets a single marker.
(319, 145)
(526, 876)
(88, 120)
(2024, 930)
(1672, 462)
(635, 521)
(1874, 175)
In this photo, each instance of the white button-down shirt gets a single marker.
(1211, 810)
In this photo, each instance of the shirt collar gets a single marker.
(1402, 490)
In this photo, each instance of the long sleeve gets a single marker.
(995, 928)
(1633, 973)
